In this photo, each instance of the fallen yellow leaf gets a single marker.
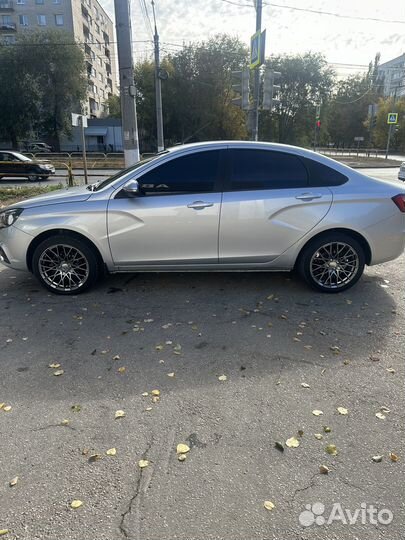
(222, 378)
(182, 457)
(155, 392)
(145, 394)
(4, 532)
(119, 414)
(317, 413)
(331, 449)
(54, 366)
(292, 442)
(121, 369)
(323, 469)
(394, 457)
(342, 410)
(318, 436)
(76, 503)
(182, 448)
(305, 385)
(58, 372)
(142, 463)
(111, 452)
(269, 505)
(171, 374)
(379, 415)
(13, 482)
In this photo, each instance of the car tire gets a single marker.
(332, 262)
(55, 258)
(33, 178)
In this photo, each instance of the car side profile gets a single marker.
(17, 165)
(401, 173)
(217, 206)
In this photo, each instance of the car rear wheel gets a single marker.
(332, 263)
(65, 265)
(33, 178)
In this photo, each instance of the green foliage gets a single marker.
(114, 106)
(48, 82)
(397, 141)
(196, 97)
(305, 80)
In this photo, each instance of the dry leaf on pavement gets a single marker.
(142, 463)
(182, 448)
(269, 505)
(292, 442)
(323, 469)
(111, 452)
(342, 410)
(331, 449)
(316, 412)
(58, 372)
(76, 503)
(13, 482)
(222, 378)
(394, 457)
(380, 415)
(119, 414)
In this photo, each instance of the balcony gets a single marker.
(8, 26)
(6, 5)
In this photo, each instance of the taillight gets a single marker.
(399, 200)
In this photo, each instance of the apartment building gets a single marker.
(90, 26)
(393, 73)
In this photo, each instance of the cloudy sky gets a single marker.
(343, 40)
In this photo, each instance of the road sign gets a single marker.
(392, 118)
(255, 50)
(359, 139)
(77, 120)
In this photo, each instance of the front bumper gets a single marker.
(13, 247)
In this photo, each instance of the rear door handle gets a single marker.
(308, 196)
(199, 205)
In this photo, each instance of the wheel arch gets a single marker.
(349, 232)
(60, 231)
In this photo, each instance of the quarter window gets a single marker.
(322, 175)
(194, 173)
(266, 169)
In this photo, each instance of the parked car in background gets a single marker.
(217, 206)
(401, 173)
(38, 147)
(16, 165)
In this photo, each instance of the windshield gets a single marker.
(21, 156)
(100, 185)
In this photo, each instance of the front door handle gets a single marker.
(199, 205)
(308, 196)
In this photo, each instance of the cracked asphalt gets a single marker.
(268, 334)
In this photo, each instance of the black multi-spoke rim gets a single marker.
(334, 265)
(63, 267)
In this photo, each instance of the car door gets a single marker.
(175, 220)
(267, 205)
(8, 164)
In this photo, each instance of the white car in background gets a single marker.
(401, 173)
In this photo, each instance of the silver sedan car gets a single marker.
(211, 207)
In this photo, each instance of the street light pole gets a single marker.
(390, 128)
(256, 88)
(158, 88)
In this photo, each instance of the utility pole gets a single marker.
(158, 88)
(127, 86)
(256, 87)
(390, 127)
(317, 126)
(83, 122)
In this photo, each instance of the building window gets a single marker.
(98, 45)
(96, 12)
(101, 78)
(39, 2)
(57, 1)
(41, 20)
(100, 61)
(93, 72)
(6, 20)
(20, 2)
(59, 20)
(8, 40)
(97, 28)
(95, 89)
(23, 19)
(102, 93)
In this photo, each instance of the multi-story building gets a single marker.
(90, 26)
(393, 74)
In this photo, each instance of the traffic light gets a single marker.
(270, 89)
(240, 85)
(318, 124)
(373, 122)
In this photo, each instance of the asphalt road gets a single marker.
(268, 334)
(101, 174)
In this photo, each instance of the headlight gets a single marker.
(47, 167)
(8, 217)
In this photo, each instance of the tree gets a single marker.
(114, 106)
(19, 97)
(397, 141)
(305, 81)
(197, 95)
(48, 81)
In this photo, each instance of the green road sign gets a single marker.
(392, 118)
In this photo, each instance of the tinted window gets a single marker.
(322, 175)
(194, 173)
(266, 169)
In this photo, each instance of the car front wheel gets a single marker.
(65, 265)
(33, 178)
(332, 263)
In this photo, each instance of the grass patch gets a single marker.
(11, 195)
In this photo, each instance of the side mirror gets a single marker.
(131, 188)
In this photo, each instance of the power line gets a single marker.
(317, 12)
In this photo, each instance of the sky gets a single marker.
(347, 43)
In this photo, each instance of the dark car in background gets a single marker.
(16, 165)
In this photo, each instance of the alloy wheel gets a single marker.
(334, 265)
(63, 267)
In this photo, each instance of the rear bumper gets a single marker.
(386, 238)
